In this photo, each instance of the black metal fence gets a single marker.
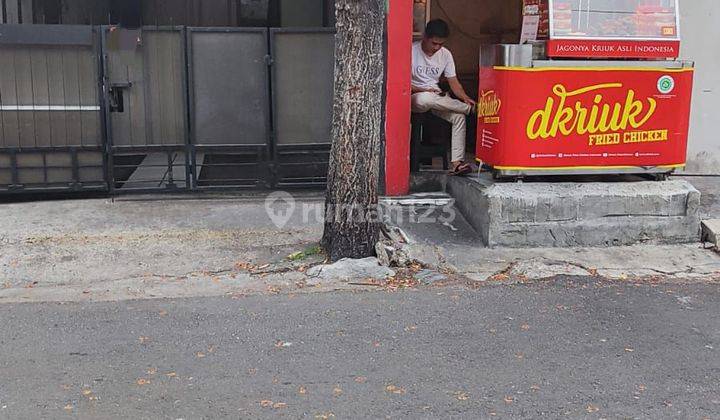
(163, 108)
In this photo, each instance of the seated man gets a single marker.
(430, 60)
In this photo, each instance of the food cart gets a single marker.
(594, 87)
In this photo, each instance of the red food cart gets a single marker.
(604, 93)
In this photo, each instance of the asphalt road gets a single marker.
(567, 348)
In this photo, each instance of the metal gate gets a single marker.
(303, 82)
(230, 107)
(164, 108)
(145, 102)
(51, 132)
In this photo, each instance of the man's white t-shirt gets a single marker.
(426, 71)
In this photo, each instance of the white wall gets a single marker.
(700, 30)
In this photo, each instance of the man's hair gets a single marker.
(437, 28)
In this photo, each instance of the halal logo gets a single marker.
(666, 84)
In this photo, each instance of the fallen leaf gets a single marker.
(641, 388)
(68, 407)
(86, 392)
(667, 403)
(337, 391)
(279, 405)
(152, 371)
(142, 381)
(394, 389)
(524, 327)
(376, 344)
(266, 403)
(492, 330)
(360, 379)
(296, 256)
(592, 408)
(252, 371)
(410, 328)
(273, 289)
(629, 349)
(508, 399)
(262, 267)
(461, 396)
(302, 390)
(519, 355)
(280, 344)
(324, 416)
(211, 349)
(200, 355)
(144, 339)
(162, 313)
(171, 374)
(244, 266)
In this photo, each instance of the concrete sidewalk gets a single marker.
(140, 247)
(187, 246)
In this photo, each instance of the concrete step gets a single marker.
(567, 214)
(711, 232)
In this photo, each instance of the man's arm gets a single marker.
(458, 90)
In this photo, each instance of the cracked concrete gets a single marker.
(671, 262)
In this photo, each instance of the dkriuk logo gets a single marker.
(605, 122)
(489, 107)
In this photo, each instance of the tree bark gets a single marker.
(351, 219)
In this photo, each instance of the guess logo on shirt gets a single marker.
(427, 70)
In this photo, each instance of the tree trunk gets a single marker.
(351, 219)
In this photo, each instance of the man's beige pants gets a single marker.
(450, 110)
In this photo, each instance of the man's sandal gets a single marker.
(461, 170)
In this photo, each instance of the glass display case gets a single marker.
(614, 19)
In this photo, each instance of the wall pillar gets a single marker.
(397, 113)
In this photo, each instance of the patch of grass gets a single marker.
(308, 252)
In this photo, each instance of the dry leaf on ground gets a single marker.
(461, 396)
(394, 389)
(592, 408)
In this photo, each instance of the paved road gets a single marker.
(566, 348)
